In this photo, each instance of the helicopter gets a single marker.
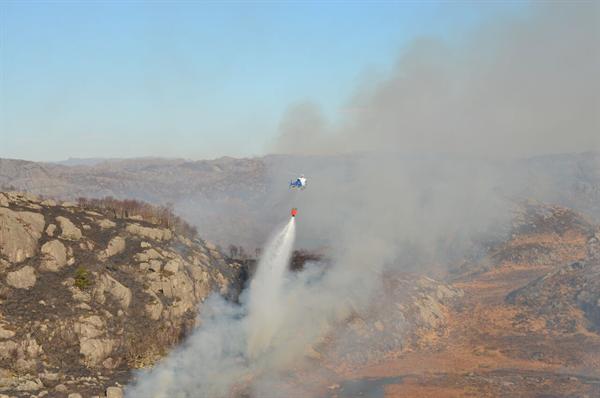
(298, 183)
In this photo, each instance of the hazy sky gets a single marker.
(195, 79)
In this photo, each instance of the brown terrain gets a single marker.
(524, 326)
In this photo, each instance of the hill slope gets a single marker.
(86, 297)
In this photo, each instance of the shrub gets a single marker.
(82, 278)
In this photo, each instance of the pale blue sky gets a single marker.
(194, 79)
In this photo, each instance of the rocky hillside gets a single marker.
(563, 295)
(521, 322)
(541, 235)
(85, 297)
(409, 312)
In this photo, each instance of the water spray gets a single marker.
(233, 340)
(265, 310)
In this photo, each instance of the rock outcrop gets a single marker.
(115, 246)
(408, 312)
(541, 235)
(85, 296)
(19, 233)
(22, 278)
(560, 295)
(68, 230)
(150, 233)
(54, 256)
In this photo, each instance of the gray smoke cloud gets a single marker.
(425, 152)
(516, 87)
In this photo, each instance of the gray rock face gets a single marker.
(68, 230)
(23, 278)
(115, 246)
(54, 256)
(19, 233)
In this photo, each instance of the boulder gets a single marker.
(114, 392)
(61, 388)
(30, 385)
(108, 284)
(23, 278)
(3, 200)
(54, 256)
(178, 287)
(68, 230)
(19, 233)
(6, 334)
(147, 255)
(92, 345)
(106, 223)
(50, 230)
(8, 349)
(95, 351)
(172, 266)
(89, 327)
(210, 246)
(4, 265)
(150, 233)
(155, 265)
(115, 246)
(155, 307)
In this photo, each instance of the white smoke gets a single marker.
(264, 301)
(229, 345)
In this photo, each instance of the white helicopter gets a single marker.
(298, 183)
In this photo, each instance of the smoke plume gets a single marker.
(515, 87)
(233, 341)
(413, 184)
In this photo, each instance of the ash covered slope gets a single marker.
(85, 297)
